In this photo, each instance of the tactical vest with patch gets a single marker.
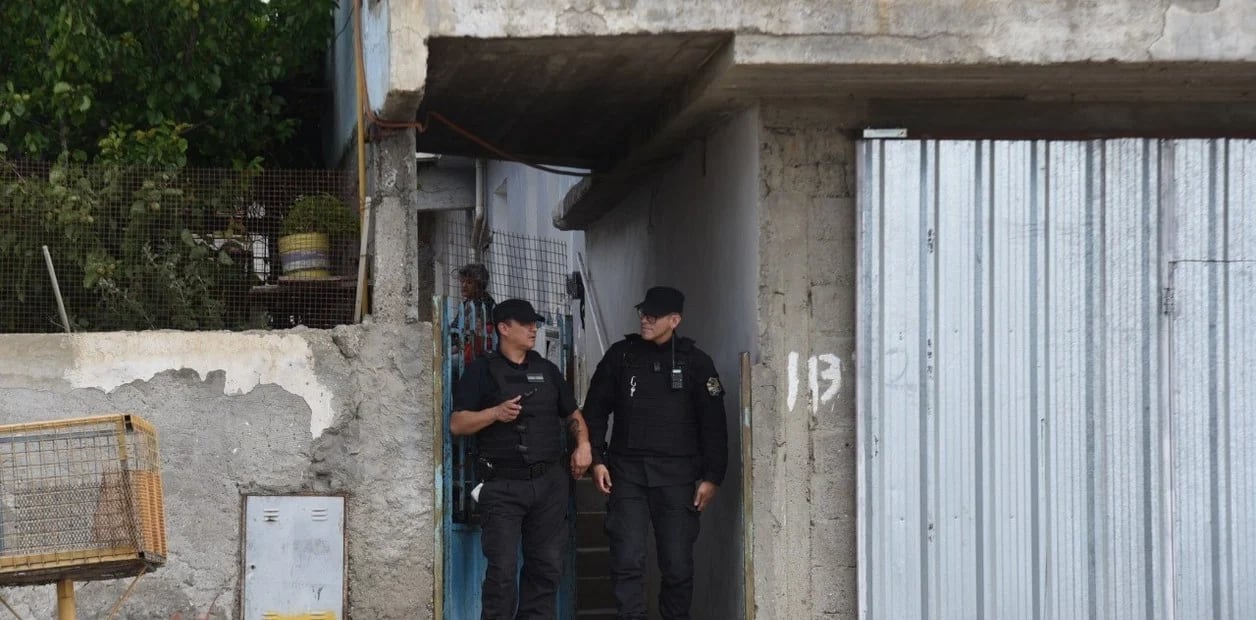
(536, 435)
(652, 418)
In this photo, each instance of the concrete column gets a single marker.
(804, 436)
(395, 271)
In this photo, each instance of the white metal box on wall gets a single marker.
(1057, 379)
(294, 557)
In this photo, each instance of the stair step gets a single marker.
(596, 614)
(594, 593)
(593, 561)
(590, 531)
(588, 498)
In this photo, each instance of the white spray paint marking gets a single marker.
(832, 373)
(108, 360)
(813, 382)
(824, 370)
(792, 398)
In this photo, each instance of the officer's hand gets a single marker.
(580, 459)
(602, 478)
(704, 495)
(508, 410)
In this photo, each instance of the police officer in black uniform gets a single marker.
(667, 456)
(515, 401)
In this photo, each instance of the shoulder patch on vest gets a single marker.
(713, 387)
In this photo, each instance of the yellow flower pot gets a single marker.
(305, 255)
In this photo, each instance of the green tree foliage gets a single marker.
(160, 82)
(116, 98)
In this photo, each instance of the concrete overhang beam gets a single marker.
(571, 101)
(989, 100)
(443, 188)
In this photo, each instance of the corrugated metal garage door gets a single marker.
(1057, 379)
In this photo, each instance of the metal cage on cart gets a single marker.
(80, 499)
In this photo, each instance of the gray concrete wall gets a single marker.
(804, 381)
(401, 290)
(694, 225)
(344, 411)
(908, 31)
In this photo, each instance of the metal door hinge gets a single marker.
(1166, 301)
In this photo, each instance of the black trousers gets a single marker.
(533, 512)
(631, 509)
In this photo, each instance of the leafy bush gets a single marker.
(321, 213)
(130, 246)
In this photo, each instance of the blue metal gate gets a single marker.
(464, 334)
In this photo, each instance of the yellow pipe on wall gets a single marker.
(363, 213)
(65, 600)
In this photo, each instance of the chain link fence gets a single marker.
(519, 266)
(195, 249)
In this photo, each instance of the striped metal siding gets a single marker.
(1057, 379)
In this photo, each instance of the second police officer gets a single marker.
(667, 453)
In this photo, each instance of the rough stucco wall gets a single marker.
(695, 226)
(402, 236)
(235, 416)
(911, 31)
(804, 405)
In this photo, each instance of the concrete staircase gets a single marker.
(594, 599)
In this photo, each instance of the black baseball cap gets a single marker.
(516, 309)
(662, 300)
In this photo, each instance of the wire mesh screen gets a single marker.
(193, 248)
(519, 266)
(79, 499)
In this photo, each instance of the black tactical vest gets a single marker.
(536, 435)
(651, 417)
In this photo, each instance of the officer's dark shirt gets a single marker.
(477, 390)
(654, 470)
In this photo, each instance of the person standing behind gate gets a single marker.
(472, 330)
(513, 401)
(668, 451)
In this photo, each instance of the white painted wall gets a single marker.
(694, 226)
(109, 360)
(522, 199)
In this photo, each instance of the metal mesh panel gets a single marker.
(79, 499)
(519, 266)
(194, 248)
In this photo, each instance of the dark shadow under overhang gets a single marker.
(575, 101)
(1065, 101)
(623, 105)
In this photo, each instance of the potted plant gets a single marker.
(308, 231)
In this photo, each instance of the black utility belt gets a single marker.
(487, 469)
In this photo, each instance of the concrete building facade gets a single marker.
(722, 137)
